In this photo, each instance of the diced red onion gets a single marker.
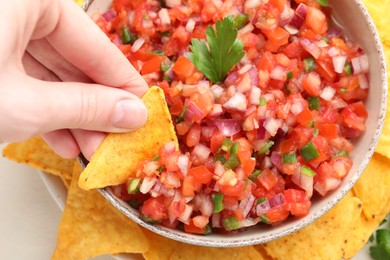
(254, 95)
(218, 168)
(285, 128)
(164, 16)
(248, 222)
(182, 162)
(363, 81)
(286, 16)
(216, 110)
(190, 26)
(310, 47)
(278, 73)
(338, 103)
(276, 159)
(328, 93)
(299, 16)
(236, 102)
(172, 3)
(244, 69)
(263, 208)
(109, 15)
(228, 127)
(231, 78)
(334, 51)
(322, 44)
(272, 125)
(185, 216)
(159, 189)
(194, 109)
(246, 204)
(250, 110)
(147, 184)
(207, 131)
(231, 207)
(217, 90)
(329, 184)
(246, 29)
(267, 162)
(252, 4)
(253, 76)
(304, 181)
(216, 220)
(201, 151)
(147, 23)
(291, 29)
(203, 203)
(334, 32)
(244, 85)
(360, 64)
(137, 44)
(339, 63)
(260, 133)
(297, 107)
(277, 200)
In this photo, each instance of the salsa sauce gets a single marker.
(258, 145)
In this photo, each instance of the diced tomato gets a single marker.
(341, 166)
(183, 127)
(183, 68)
(293, 50)
(201, 174)
(280, 4)
(152, 65)
(305, 117)
(359, 109)
(200, 221)
(266, 62)
(328, 130)
(278, 36)
(154, 209)
(352, 120)
(297, 202)
(193, 135)
(268, 179)
(234, 190)
(312, 84)
(193, 229)
(188, 187)
(316, 20)
(276, 214)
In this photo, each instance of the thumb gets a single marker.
(37, 107)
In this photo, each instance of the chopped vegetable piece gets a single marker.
(181, 116)
(234, 148)
(264, 219)
(254, 174)
(232, 162)
(230, 223)
(341, 153)
(314, 103)
(220, 158)
(263, 101)
(307, 171)
(261, 200)
(290, 75)
(323, 2)
(309, 152)
(310, 64)
(266, 147)
(348, 68)
(217, 202)
(289, 158)
(133, 186)
(240, 20)
(224, 51)
(227, 143)
(127, 36)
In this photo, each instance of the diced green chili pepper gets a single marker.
(263, 102)
(289, 158)
(323, 2)
(232, 162)
(264, 219)
(220, 158)
(261, 200)
(181, 116)
(127, 36)
(314, 103)
(348, 68)
(133, 186)
(254, 174)
(155, 158)
(341, 153)
(309, 152)
(310, 64)
(325, 39)
(226, 144)
(208, 230)
(161, 168)
(158, 52)
(266, 147)
(217, 202)
(290, 75)
(316, 131)
(307, 171)
(343, 90)
(165, 34)
(234, 148)
(240, 20)
(230, 223)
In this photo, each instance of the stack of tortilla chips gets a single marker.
(91, 226)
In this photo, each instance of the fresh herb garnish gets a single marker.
(224, 51)
(127, 36)
(323, 2)
(381, 250)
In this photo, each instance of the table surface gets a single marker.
(29, 216)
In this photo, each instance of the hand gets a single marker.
(52, 53)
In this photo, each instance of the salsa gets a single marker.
(266, 98)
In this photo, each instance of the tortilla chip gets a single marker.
(373, 187)
(323, 239)
(36, 153)
(164, 248)
(384, 140)
(90, 226)
(379, 13)
(118, 156)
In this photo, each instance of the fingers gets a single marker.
(36, 70)
(63, 143)
(91, 51)
(88, 141)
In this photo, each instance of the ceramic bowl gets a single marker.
(358, 26)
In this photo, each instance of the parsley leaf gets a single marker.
(381, 250)
(224, 51)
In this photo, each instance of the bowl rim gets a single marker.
(220, 241)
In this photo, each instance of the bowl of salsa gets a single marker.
(277, 105)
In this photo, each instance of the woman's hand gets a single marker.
(63, 79)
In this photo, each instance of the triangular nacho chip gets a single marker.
(90, 226)
(36, 153)
(119, 154)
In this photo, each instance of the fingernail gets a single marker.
(129, 114)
